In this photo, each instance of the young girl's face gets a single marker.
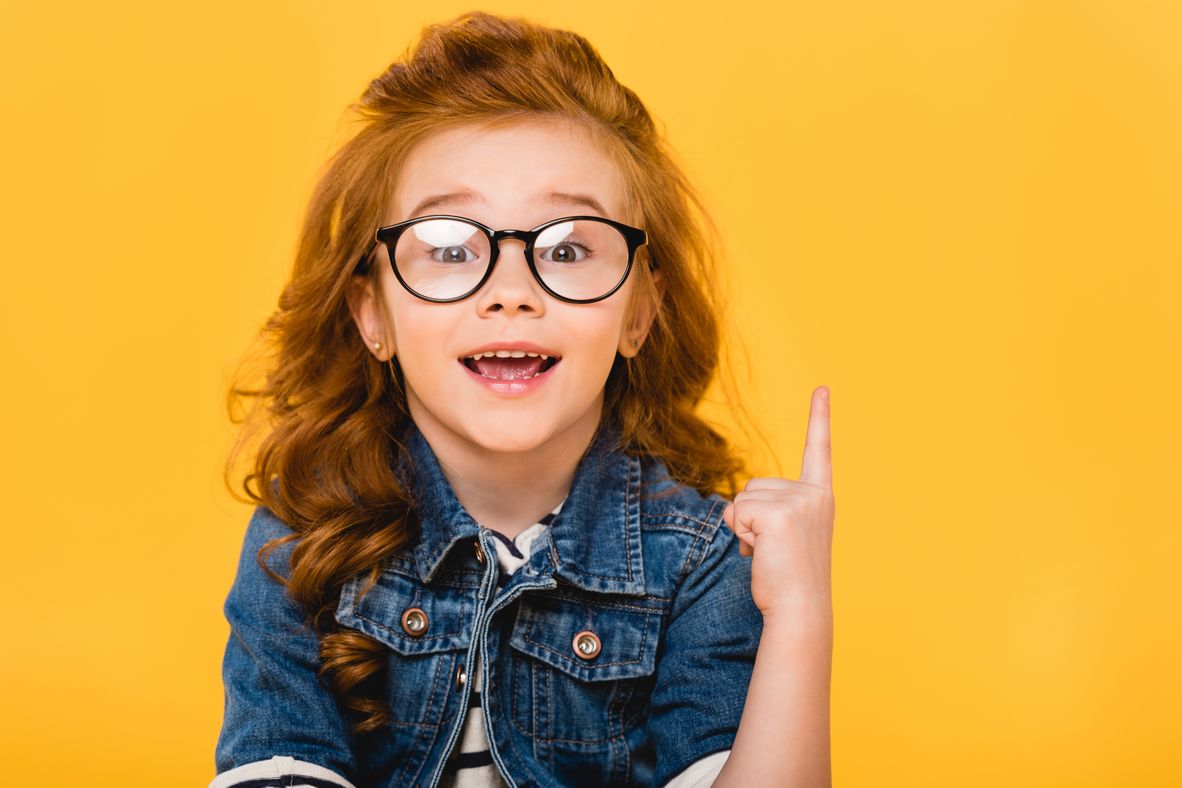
(509, 177)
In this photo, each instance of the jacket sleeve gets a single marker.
(274, 702)
(707, 657)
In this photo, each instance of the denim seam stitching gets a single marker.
(624, 723)
(613, 605)
(544, 647)
(533, 666)
(712, 525)
(672, 527)
(595, 574)
(550, 706)
(678, 516)
(518, 667)
(419, 739)
(627, 525)
(401, 638)
(557, 740)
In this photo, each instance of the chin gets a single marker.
(510, 436)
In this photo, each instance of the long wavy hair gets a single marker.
(322, 418)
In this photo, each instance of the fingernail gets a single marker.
(825, 393)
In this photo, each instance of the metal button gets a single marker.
(480, 554)
(461, 677)
(587, 645)
(414, 622)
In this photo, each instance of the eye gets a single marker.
(452, 254)
(566, 252)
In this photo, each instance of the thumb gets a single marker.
(746, 539)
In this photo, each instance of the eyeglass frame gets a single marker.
(388, 236)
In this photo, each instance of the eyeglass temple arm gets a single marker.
(362, 264)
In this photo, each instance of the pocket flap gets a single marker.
(628, 635)
(379, 613)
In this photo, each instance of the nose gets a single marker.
(511, 286)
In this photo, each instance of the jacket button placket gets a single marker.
(478, 632)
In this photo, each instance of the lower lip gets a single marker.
(511, 387)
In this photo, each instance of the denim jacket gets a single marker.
(657, 579)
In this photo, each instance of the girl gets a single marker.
(489, 546)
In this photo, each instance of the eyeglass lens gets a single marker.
(445, 258)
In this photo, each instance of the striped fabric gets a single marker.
(280, 770)
(471, 764)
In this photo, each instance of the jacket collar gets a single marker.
(594, 540)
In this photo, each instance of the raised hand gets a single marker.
(787, 527)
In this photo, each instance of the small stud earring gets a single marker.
(634, 343)
(377, 345)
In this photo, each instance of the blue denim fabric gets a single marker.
(658, 577)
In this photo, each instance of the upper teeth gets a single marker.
(510, 354)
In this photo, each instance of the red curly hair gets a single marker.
(322, 428)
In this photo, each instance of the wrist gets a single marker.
(799, 615)
(805, 641)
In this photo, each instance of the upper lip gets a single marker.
(528, 347)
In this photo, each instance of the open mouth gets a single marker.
(510, 365)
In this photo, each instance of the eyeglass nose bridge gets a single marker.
(521, 235)
(494, 255)
(496, 236)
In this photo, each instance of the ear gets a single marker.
(367, 314)
(644, 311)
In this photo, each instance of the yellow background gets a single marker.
(962, 216)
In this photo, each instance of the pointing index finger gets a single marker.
(817, 467)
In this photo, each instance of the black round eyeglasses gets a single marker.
(444, 258)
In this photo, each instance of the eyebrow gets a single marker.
(465, 196)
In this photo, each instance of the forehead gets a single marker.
(520, 170)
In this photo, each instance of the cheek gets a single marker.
(598, 345)
(421, 337)
(422, 332)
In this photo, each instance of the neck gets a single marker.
(508, 491)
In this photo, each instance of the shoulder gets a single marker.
(252, 583)
(680, 526)
(265, 527)
(667, 503)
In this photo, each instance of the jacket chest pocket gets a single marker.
(426, 628)
(582, 670)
